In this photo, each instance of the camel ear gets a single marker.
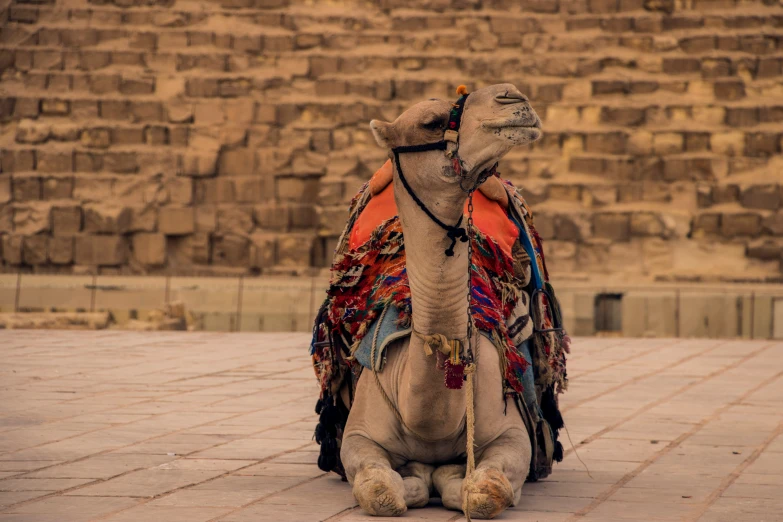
(383, 132)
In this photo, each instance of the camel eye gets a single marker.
(434, 124)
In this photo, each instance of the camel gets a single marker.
(397, 462)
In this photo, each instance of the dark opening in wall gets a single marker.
(608, 313)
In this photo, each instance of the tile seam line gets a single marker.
(668, 397)
(701, 509)
(580, 376)
(147, 500)
(153, 399)
(679, 440)
(136, 420)
(174, 432)
(100, 481)
(638, 378)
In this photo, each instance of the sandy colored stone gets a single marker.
(149, 249)
(100, 250)
(107, 218)
(173, 221)
(50, 321)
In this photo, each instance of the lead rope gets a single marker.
(470, 369)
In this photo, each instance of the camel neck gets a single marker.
(439, 303)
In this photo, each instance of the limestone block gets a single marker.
(234, 220)
(649, 314)
(572, 227)
(740, 224)
(107, 218)
(102, 250)
(5, 189)
(12, 249)
(30, 131)
(761, 197)
(179, 190)
(34, 249)
(199, 164)
(583, 313)
(27, 108)
(144, 219)
(646, 224)
(262, 250)
(230, 250)
(179, 111)
(66, 221)
(300, 189)
(612, 226)
(174, 221)
(762, 325)
(250, 189)
(54, 161)
(294, 250)
(729, 90)
(773, 224)
(149, 249)
(274, 216)
(766, 249)
(708, 315)
(206, 218)
(667, 143)
(606, 143)
(31, 219)
(762, 144)
(61, 250)
(18, 160)
(26, 188)
(55, 107)
(96, 138)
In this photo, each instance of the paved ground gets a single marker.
(197, 427)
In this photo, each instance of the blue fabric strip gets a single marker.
(527, 244)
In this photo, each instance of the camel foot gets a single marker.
(380, 491)
(486, 493)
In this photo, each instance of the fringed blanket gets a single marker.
(366, 280)
(511, 297)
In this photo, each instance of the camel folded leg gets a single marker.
(500, 473)
(417, 478)
(379, 489)
(448, 482)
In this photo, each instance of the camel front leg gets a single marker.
(379, 489)
(500, 473)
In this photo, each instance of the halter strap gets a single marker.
(452, 232)
(451, 134)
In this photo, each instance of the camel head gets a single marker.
(494, 120)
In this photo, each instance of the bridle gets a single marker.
(451, 135)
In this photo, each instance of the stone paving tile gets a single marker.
(124, 426)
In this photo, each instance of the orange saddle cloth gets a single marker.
(489, 216)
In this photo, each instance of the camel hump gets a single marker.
(381, 179)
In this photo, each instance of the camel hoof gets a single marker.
(380, 492)
(486, 494)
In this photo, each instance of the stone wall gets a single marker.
(213, 137)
